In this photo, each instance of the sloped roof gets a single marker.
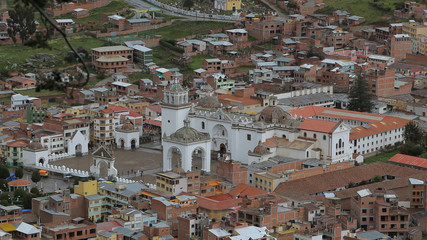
(306, 188)
(19, 182)
(317, 125)
(409, 160)
(243, 189)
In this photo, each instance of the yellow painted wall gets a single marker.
(86, 188)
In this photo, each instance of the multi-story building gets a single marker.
(104, 128)
(77, 228)
(75, 131)
(10, 214)
(228, 5)
(413, 29)
(398, 46)
(170, 210)
(263, 27)
(113, 59)
(19, 102)
(379, 210)
(192, 226)
(15, 152)
(171, 183)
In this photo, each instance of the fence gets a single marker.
(194, 14)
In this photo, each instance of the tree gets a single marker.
(4, 172)
(21, 22)
(411, 149)
(35, 177)
(3, 185)
(5, 199)
(19, 193)
(188, 4)
(35, 191)
(413, 133)
(19, 173)
(360, 98)
(377, 178)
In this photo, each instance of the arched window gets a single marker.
(324, 137)
(305, 134)
(314, 135)
(203, 125)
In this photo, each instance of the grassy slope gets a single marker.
(181, 29)
(95, 14)
(41, 93)
(364, 8)
(16, 53)
(381, 157)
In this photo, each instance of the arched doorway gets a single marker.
(222, 149)
(198, 159)
(41, 161)
(79, 150)
(103, 169)
(122, 143)
(174, 158)
(219, 139)
(133, 144)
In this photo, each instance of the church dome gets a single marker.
(176, 87)
(209, 102)
(35, 145)
(261, 149)
(127, 126)
(273, 114)
(188, 134)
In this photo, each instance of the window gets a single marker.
(248, 137)
(203, 125)
(384, 210)
(324, 137)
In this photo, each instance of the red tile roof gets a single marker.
(118, 108)
(134, 114)
(387, 124)
(409, 160)
(229, 98)
(18, 143)
(152, 122)
(310, 111)
(218, 202)
(107, 110)
(107, 226)
(19, 183)
(317, 125)
(306, 188)
(155, 108)
(246, 190)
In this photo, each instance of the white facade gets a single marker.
(375, 142)
(54, 143)
(127, 139)
(78, 143)
(32, 156)
(19, 101)
(175, 108)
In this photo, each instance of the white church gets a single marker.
(207, 126)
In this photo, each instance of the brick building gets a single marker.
(379, 210)
(112, 59)
(398, 46)
(76, 228)
(232, 171)
(170, 210)
(263, 27)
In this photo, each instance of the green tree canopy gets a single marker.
(21, 22)
(413, 133)
(188, 4)
(19, 172)
(3, 185)
(359, 95)
(35, 177)
(4, 172)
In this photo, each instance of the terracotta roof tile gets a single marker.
(218, 202)
(118, 108)
(19, 182)
(246, 190)
(317, 125)
(387, 124)
(306, 188)
(229, 98)
(409, 160)
(152, 122)
(18, 143)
